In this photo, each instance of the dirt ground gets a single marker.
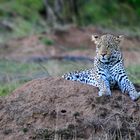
(53, 109)
(71, 42)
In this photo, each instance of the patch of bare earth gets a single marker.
(73, 42)
(53, 108)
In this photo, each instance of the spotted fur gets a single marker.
(108, 68)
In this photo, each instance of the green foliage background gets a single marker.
(30, 13)
(111, 12)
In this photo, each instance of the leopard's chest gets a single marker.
(109, 77)
(104, 72)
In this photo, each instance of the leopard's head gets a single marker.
(106, 46)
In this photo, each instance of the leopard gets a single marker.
(108, 69)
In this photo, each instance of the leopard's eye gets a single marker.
(98, 46)
(108, 46)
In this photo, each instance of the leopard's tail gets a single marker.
(85, 76)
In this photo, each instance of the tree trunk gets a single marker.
(61, 11)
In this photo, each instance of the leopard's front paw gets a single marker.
(106, 93)
(135, 96)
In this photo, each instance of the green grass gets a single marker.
(13, 74)
(5, 89)
(134, 73)
(22, 28)
(13, 67)
(47, 41)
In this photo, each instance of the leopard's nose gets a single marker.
(103, 53)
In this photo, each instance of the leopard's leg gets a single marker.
(127, 86)
(86, 77)
(104, 87)
(124, 83)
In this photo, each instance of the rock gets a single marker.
(53, 108)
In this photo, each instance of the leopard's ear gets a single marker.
(95, 38)
(120, 38)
